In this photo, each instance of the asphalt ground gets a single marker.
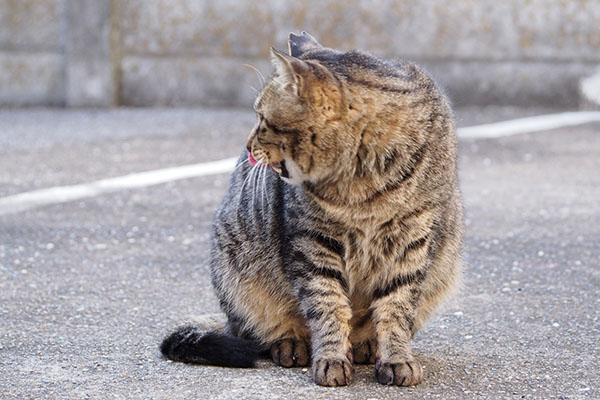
(89, 288)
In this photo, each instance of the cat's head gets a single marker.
(301, 116)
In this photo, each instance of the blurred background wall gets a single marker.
(192, 52)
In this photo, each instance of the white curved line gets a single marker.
(60, 194)
(528, 125)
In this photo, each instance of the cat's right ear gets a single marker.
(299, 44)
(291, 72)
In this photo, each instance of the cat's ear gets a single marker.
(299, 44)
(291, 72)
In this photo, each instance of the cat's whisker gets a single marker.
(262, 191)
(261, 77)
(265, 188)
(250, 173)
(244, 183)
(241, 164)
(256, 186)
(246, 180)
(255, 174)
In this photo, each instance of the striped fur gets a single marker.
(343, 256)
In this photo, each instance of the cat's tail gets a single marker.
(206, 343)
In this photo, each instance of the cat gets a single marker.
(341, 229)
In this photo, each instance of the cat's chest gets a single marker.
(369, 252)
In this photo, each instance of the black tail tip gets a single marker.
(170, 344)
(191, 345)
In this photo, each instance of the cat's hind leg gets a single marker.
(291, 352)
(273, 321)
(363, 337)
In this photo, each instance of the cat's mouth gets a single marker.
(280, 169)
(277, 167)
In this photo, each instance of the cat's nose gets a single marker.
(249, 141)
(251, 138)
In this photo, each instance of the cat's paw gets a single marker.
(290, 353)
(333, 372)
(364, 353)
(408, 373)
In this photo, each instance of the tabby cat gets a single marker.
(341, 229)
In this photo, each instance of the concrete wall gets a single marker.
(192, 52)
(31, 52)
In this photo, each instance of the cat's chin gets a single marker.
(292, 173)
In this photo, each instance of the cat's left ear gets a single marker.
(291, 72)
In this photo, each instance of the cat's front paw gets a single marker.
(290, 353)
(333, 372)
(407, 373)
